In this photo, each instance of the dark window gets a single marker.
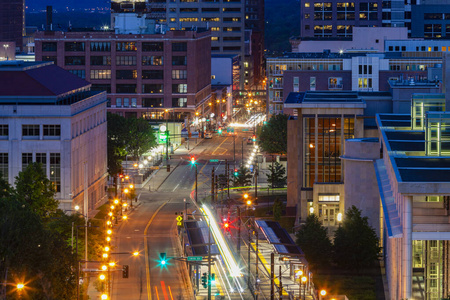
(126, 74)
(49, 46)
(155, 60)
(152, 102)
(74, 46)
(52, 130)
(179, 60)
(152, 88)
(30, 130)
(231, 38)
(49, 58)
(179, 88)
(235, 48)
(231, 9)
(101, 46)
(55, 170)
(179, 47)
(188, 10)
(432, 16)
(152, 46)
(101, 88)
(403, 48)
(4, 130)
(210, 9)
(215, 48)
(74, 60)
(27, 158)
(79, 73)
(125, 88)
(126, 60)
(100, 60)
(152, 74)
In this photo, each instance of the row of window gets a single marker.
(151, 102)
(27, 158)
(123, 60)
(209, 19)
(343, 6)
(146, 88)
(33, 131)
(421, 48)
(132, 74)
(120, 46)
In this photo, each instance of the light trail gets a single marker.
(226, 253)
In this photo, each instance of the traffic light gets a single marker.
(226, 226)
(254, 138)
(220, 130)
(236, 172)
(162, 258)
(213, 278)
(204, 280)
(192, 160)
(125, 271)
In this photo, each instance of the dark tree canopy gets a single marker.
(355, 242)
(244, 178)
(313, 240)
(277, 176)
(273, 135)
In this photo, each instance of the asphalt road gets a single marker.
(153, 223)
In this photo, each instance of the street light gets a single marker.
(304, 280)
(6, 50)
(322, 294)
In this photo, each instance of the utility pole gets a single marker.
(196, 189)
(256, 181)
(209, 259)
(272, 276)
(212, 185)
(226, 175)
(239, 230)
(248, 255)
(256, 264)
(281, 285)
(242, 162)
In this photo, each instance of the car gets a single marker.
(208, 135)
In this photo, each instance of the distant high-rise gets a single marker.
(12, 21)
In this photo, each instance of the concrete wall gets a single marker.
(361, 188)
(294, 164)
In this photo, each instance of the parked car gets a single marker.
(208, 135)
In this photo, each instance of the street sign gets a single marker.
(154, 168)
(184, 133)
(213, 160)
(194, 258)
(179, 221)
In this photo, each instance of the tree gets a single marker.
(141, 137)
(277, 176)
(312, 238)
(36, 190)
(117, 137)
(277, 209)
(273, 135)
(244, 178)
(355, 242)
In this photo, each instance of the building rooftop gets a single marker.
(406, 148)
(37, 79)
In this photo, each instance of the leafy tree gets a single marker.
(273, 135)
(117, 137)
(355, 242)
(277, 176)
(277, 209)
(36, 190)
(312, 238)
(244, 178)
(140, 137)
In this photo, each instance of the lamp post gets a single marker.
(304, 280)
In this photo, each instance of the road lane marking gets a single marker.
(193, 185)
(212, 153)
(175, 187)
(147, 263)
(163, 287)
(170, 292)
(156, 290)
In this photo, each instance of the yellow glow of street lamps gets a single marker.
(135, 165)
(304, 279)
(126, 191)
(20, 286)
(299, 273)
(106, 248)
(116, 201)
(77, 207)
(323, 292)
(108, 222)
(102, 277)
(131, 186)
(105, 255)
(104, 267)
(112, 264)
(109, 231)
(124, 204)
(124, 217)
(110, 214)
(249, 202)
(127, 177)
(245, 196)
(108, 239)
(339, 217)
(135, 253)
(112, 206)
(104, 297)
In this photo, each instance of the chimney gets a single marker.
(49, 18)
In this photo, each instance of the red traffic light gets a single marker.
(226, 225)
(192, 159)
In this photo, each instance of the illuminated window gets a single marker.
(443, 48)
(307, 4)
(215, 28)
(214, 38)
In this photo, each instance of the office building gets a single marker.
(144, 74)
(51, 116)
(12, 22)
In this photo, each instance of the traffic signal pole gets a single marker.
(239, 230)
(209, 259)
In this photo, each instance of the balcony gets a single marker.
(335, 87)
(277, 99)
(278, 86)
(276, 72)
